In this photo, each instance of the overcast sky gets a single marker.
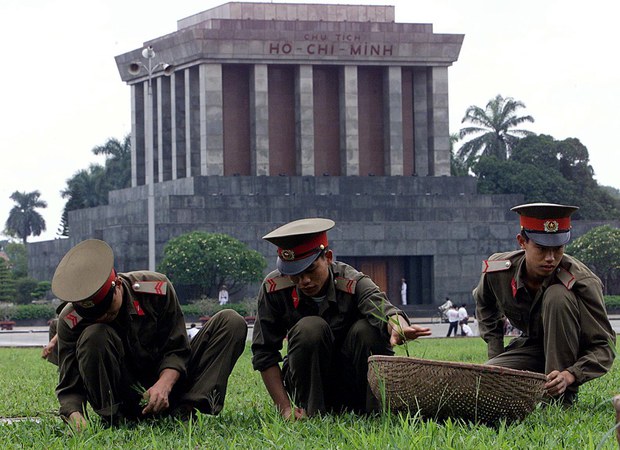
(61, 94)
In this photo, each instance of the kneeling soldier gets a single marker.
(333, 317)
(123, 333)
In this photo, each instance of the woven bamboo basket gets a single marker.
(442, 389)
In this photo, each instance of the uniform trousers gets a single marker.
(110, 377)
(324, 374)
(558, 348)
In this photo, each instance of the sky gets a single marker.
(62, 94)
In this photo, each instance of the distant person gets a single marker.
(463, 317)
(192, 332)
(403, 291)
(553, 298)
(467, 331)
(453, 319)
(223, 295)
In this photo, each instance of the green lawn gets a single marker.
(249, 421)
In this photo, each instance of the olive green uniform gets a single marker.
(102, 363)
(328, 342)
(564, 325)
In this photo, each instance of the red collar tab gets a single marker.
(545, 225)
(103, 291)
(314, 244)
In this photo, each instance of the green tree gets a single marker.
(18, 259)
(458, 168)
(41, 290)
(23, 219)
(89, 188)
(203, 261)
(7, 283)
(494, 127)
(24, 287)
(599, 248)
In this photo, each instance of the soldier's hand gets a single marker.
(49, 348)
(557, 382)
(157, 397)
(77, 422)
(409, 332)
(294, 413)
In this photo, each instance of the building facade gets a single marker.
(276, 112)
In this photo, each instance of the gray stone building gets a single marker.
(276, 112)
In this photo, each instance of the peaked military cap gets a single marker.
(86, 277)
(299, 243)
(547, 224)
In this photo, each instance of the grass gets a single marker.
(249, 421)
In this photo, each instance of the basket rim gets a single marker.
(483, 368)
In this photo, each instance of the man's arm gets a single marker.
(489, 317)
(400, 330)
(272, 377)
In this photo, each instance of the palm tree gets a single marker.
(118, 161)
(23, 220)
(494, 125)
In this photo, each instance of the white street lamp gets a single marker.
(134, 68)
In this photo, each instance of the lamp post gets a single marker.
(134, 68)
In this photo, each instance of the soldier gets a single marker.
(333, 317)
(553, 298)
(122, 341)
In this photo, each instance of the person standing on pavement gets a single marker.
(453, 319)
(463, 317)
(403, 291)
(223, 295)
(122, 341)
(554, 299)
(333, 317)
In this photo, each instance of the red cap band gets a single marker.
(317, 242)
(545, 225)
(101, 293)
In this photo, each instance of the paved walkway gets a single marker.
(38, 336)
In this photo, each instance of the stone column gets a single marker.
(173, 121)
(304, 120)
(134, 130)
(259, 120)
(393, 119)
(440, 127)
(349, 124)
(211, 120)
(420, 122)
(188, 125)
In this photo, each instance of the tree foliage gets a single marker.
(7, 283)
(204, 261)
(88, 188)
(546, 170)
(24, 288)
(18, 259)
(23, 219)
(599, 249)
(494, 127)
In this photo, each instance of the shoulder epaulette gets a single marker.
(346, 284)
(150, 287)
(72, 318)
(490, 265)
(277, 284)
(565, 277)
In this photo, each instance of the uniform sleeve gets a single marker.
(70, 391)
(489, 317)
(374, 304)
(173, 341)
(597, 335)
(268, 334)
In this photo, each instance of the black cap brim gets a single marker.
(549, 239)
(297, 266)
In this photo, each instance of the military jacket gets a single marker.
(502, 291)
(350, 296)
(151, 325)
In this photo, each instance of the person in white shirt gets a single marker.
(223, 295)
(453, 318)
(463, 318)
(193, 331)
(403, 291)
(466, 329)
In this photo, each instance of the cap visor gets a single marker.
(549, 239)
(295, 267)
